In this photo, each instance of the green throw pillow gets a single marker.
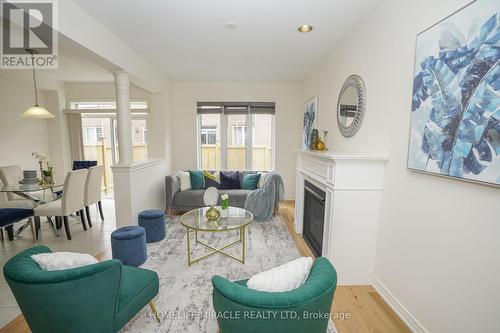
(197, 180)
(250, 181)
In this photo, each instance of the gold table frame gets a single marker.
(236, 219)
(242, 232)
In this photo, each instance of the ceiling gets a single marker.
(188, 41)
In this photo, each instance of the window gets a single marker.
(92, 134)
(239, 135)
(208, 135)
(236, 136)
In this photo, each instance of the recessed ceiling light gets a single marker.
(230, 26)
(305, 28)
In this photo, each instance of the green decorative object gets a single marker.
(292, 309)
(250, 181)
(197, 180)
(224, 201)
(212, 214)
(101, 297)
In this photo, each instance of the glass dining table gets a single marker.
(28, 191)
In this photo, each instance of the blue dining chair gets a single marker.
(77, 165)
(10, 216)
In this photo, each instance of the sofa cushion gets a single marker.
(250, 181)
(236, 197)
(184, 180)
(197, 180)
(189, 198)
(230, 180)
(138, 287)
(212, 179)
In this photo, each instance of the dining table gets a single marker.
(38, 193)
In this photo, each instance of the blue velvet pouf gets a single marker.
(128, 244)
(154, 222)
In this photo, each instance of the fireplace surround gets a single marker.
(352, 186)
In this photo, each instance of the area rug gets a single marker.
(185, 298)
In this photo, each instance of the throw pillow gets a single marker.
(286, 277)
(63, 260)
(184, 180)
(197, 180)
(229, 180)
(212, 179)
(262, 179)
(250, 181)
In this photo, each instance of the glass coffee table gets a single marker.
(195, 220)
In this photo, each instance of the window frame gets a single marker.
(223, 140)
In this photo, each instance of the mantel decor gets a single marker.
(310, 121)
(455, 118)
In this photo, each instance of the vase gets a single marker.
(48, 180)
(212, 214)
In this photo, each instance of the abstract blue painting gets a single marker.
(455, 118)
(310, 121)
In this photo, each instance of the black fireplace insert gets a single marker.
(314, 215)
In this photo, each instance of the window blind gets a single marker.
(236, 107)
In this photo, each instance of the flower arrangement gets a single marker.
(224, 201)
(47, 174)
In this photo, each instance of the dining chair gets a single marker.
(11, 175)
(10, 216)
(93, 191)
(15, 205)
(86, 164)
(70, 202)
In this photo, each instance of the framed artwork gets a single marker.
(310, 121)
(455, 116)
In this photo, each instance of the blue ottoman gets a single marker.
(154, 222)
(128, 244)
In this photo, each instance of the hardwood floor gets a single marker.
(356, 309)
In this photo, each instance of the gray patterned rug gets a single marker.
(185, 298)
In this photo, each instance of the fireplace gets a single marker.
(314, 216)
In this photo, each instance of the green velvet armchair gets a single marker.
(99, 298)
(305, 309)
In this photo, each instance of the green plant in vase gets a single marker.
(46, 175)
(224, 204)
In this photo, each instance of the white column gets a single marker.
(123, 118)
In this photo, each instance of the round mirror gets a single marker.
(211, 196)
(351, 105)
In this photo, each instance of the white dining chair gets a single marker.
(71, 201)
(93, 191)
(11, 175)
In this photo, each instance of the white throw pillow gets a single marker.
(185, 180)
(286, 277)
(262, 179)
(63, 260)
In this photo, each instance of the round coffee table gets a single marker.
(195, 220)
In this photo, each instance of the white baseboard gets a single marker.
(399, 308)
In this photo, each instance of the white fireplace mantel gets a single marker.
(353, 184)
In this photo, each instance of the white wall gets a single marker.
(438, 245)
(288, 119)
(19, 137)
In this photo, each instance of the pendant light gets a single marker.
(36, 111)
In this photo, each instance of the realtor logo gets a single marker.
(28, 25)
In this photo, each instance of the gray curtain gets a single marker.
(75, 136)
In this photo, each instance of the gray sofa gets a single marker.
(190, 199)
